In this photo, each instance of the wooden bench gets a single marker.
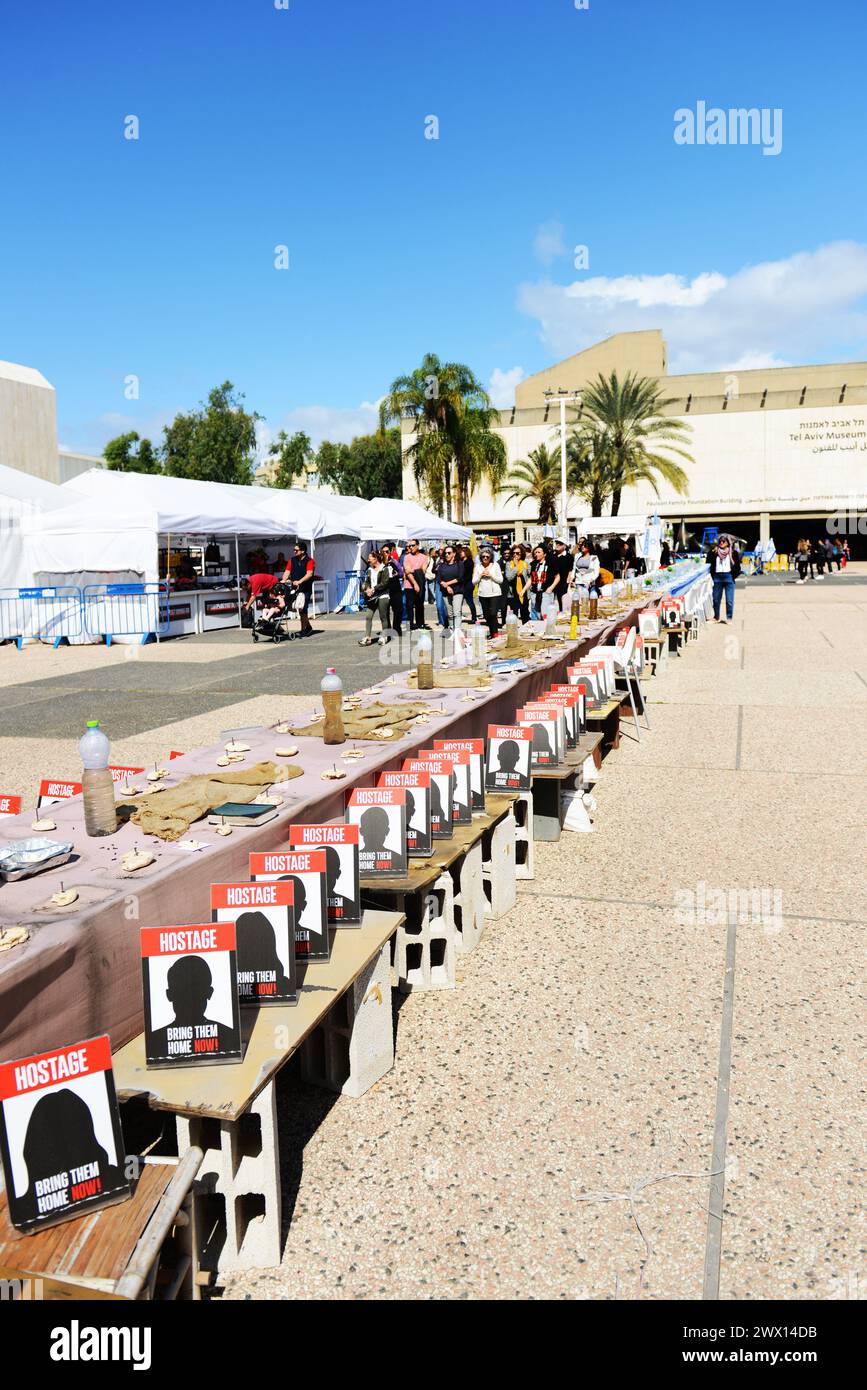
(549, 783)
(342, 1024)
(606, 720)
(141, 1248)
(445, 899)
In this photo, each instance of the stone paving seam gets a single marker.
(672, 907)
(716, 1197)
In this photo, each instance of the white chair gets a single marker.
(623, 660)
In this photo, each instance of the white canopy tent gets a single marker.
(399, 519)
(22, 498)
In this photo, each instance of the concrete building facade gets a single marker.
(777, 450)
(28, 428)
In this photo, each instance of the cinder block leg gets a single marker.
(237, 1188)
(546, 809)
(425, 945)
(498, 867)
(468, 878)
(353, 1047)
(525, 855)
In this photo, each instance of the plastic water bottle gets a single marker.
(512, 642)
(332, 704)
(100, 814)
(425, 662)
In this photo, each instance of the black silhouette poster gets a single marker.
(342, 890)
(306, 870)
(507, 766)
(190, 980)
(417, 785)
(60, 1134)
(545, 724)
(264, 917)
(476, 749)
(442, 793)
(462, 805)
(577, 699)
(380, 814)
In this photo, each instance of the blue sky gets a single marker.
(305, 127)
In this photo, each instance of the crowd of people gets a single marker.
(484, 587)
(818, 555)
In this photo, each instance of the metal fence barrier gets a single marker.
(348, 591)
(49, 613)
(126, 610)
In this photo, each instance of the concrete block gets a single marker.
(469, 890)
(237, 1189)
(425, 946)
(498, 867)
(525, 854)
(353, 1046)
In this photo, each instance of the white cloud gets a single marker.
(548, 242)
(763, 315)
(340, 424)
(501, 387)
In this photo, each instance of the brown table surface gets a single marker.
(224, 1092)
(574, 760)
(84, 1257)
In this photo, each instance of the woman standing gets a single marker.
(489, 577)
(517, 581)
(725, 566)
(375, 588)
(466, 558)
(450, 577)
(389, 557)
(803, 559)
(585, 575)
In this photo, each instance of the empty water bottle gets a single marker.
(100, 813)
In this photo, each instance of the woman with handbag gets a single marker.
(375, 588)
(489, 577)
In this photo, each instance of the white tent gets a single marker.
(182, 506)
(22, 497)
(628, 525)
(399, 519)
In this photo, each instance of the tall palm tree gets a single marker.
(455, 446)
(590, 472)
(625, 419)
(537, 478)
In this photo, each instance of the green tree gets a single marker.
(537, 479)
(216, 443)
(293, 452)
(453, 417)
(371, 466)
(590, 474)
(121, 457)
(622, 421)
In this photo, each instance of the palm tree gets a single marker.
(537, 478)
(455, 446)
(622, 422)
(590, 472)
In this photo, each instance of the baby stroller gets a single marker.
(272, 619)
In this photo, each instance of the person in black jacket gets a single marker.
(725, 566)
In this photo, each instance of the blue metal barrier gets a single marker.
(348, 591)
(48, 613)
(126, 610)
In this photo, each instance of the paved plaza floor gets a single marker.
(548, 1129)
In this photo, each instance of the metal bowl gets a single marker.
(22, 858)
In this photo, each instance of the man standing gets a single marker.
(414, 566)
(725, 566)
(301, 570)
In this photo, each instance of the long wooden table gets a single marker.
(80, 972)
